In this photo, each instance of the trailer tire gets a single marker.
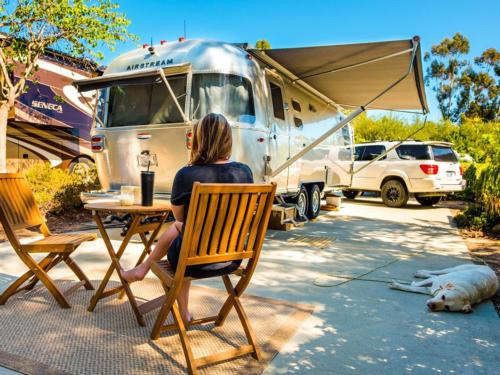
(351, 194)
(302, 203)
(314, 198)
(394, 193)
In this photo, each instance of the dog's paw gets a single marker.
(393, 285)
(421, 274)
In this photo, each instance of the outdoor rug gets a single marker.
(38, 337)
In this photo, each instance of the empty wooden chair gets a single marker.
(225, 222)
(18, 210)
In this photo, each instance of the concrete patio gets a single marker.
(342, 264)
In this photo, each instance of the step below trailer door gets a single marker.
(279, 139)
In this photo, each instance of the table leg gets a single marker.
(115, 265)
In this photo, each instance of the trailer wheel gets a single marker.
(314, 195)
(302, 202)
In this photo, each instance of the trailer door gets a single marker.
(279, 140)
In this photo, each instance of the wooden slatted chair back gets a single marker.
(225, 222)
(18, 209)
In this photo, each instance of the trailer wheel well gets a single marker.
(394, 178)
(79, 159)
(308, 185)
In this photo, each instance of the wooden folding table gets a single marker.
(143, 219)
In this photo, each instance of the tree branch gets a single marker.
(5, 71)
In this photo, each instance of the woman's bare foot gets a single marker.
(134, 274)
(186, 319)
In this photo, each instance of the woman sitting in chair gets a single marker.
(209, 163)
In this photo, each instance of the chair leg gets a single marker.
(228, 304)
(242, 316)
(186, 345)
(78, 272)
(52, 261)
(164, 311)
(15, 286)
(12, 289)
(46, 280)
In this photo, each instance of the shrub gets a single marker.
(57, 190)
(474, 218)
(487, 191)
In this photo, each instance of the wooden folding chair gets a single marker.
(18, 210)
(225, 222)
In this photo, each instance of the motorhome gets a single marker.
(50, 121)
(285, 107)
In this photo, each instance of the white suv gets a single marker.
(428, 170)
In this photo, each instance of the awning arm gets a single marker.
(382, 155)
(165, 80)
(352, 116)
(93, 109)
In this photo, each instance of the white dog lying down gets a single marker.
(454, 289)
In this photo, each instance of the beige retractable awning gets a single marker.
(352, 75)
(124, 78)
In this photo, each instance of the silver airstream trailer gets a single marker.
(287, 123)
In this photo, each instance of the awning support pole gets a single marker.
(93, 109)
(349, 118)
(381, 156)
(165, 80)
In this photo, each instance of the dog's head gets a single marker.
(450, 298)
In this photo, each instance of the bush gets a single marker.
(487, 191)
(57, 190)
(474, 218)
(484, 191)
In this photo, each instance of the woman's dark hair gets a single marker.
(212, 140)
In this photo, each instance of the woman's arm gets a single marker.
(178, 212)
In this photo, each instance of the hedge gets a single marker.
(56, 189)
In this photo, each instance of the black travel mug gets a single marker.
(147, 187)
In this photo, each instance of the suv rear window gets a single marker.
(366, 153)
(414, 152)
(442, 153)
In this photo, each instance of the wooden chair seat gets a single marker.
(225, 222)
(58, 243)
(164, 271)
(18, 210)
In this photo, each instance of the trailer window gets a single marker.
(227, 94)
(296, 106)
(146, 101)
(277, 99)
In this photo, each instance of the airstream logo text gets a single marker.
(150, 64)
(50, 106)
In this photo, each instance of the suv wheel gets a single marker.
(394, 193)
(428, 201)
(314, 207)
(302, 202)
(351, 194)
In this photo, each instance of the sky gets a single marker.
(296, 23)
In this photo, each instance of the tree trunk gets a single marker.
(4, 114)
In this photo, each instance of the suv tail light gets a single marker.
(189, 139)
(97, 143)
(461, 170)
(429, 168)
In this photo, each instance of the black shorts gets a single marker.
(199, 271)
